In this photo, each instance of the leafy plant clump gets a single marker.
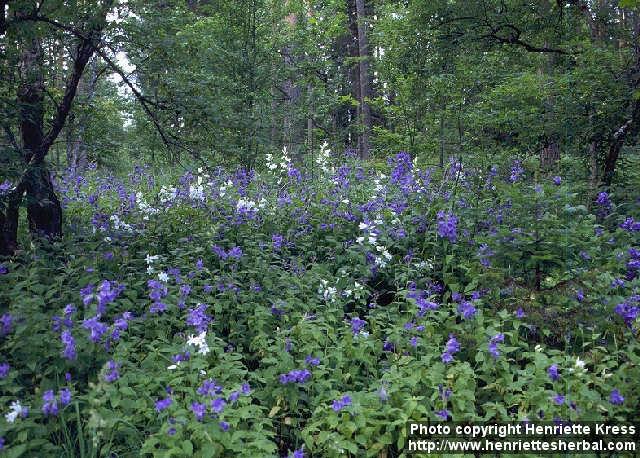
(278, 313)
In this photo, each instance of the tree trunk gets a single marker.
(549, 154)
(631, 127)
(76, 147)
(44, 212)
(593, 164)
(628, 129)
(365, 88)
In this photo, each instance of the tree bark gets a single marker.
(365, 88)
(76, 145)
(44, 212)
(631, 126)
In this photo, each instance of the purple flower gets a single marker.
(388, 346)
(69, 342)
(185, 290)
(558, 399)
(198, 318)
(4, 370)
(299, 453)
(603, 199)
(357, 325)
(467, 310)
(86, 294)
(219, 251)
(6, 320)
(158, 307)
(557, 180)
(630, 225)
(112, 373)
(339, 404)
(218, 404)
(493, 344)
(50, 406)
(520, 313)
(616, 398)
(277, 240)
(96, 328)
(484, 253)
(199, 410)
(157, 289)
(245, 389)
(5, 186)
(425, 305)
(209, 388)
(224, 426)
(553, 373)
(3, 269)
(295, 376)
(162, 404)
(516, 171)
(65, 396)
(186, 356)
(235, 252)
(443, 414)
(311, 360)
(447, 226)
(445, 393)
(627, 311)
(452, 346)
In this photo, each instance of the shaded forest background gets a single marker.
(226, 82)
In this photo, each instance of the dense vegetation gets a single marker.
(266, 228)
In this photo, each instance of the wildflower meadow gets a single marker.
(290, 312)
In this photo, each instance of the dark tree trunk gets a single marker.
(44, 212)
(549, 154)
(631, 127)
(364, 84)
(352, 114)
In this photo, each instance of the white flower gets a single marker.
(360, 240)
(150, 270)
(163, 277)
(151, 259)
(200, 342)
(173, 366)
(538, 348)
(197, 340)
(245, 205)
(15, 412)
(196, 193)
(363, 226)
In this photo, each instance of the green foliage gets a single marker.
(283, 300)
